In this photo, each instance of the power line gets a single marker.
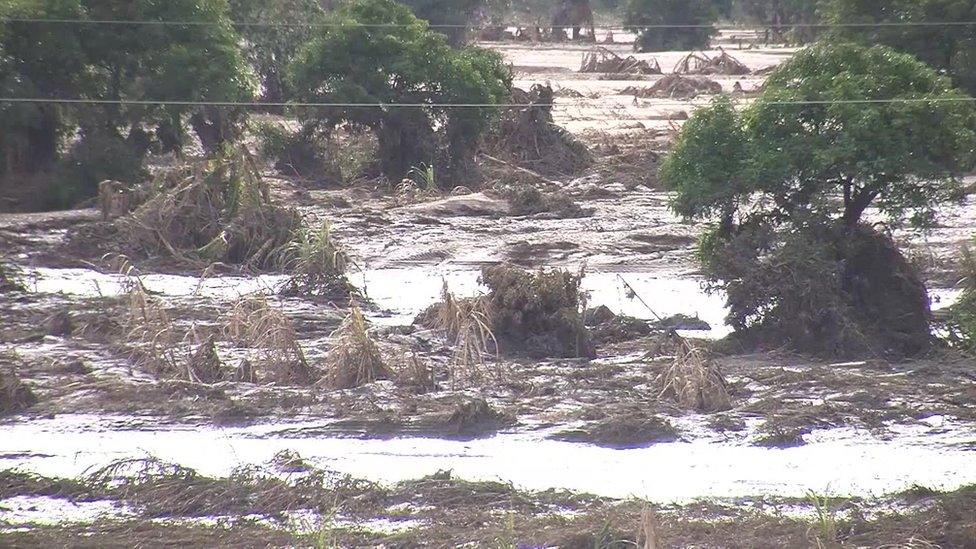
(256, 104)
(325, 24)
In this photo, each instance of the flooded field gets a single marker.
(530, 452)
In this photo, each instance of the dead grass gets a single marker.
(217, 211)
(255, 324)
(466, 323)
(10, 280)
(693, 380)
(354, 358)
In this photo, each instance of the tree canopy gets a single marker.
(355, 61)
(184, 63)
(948, 48)
(645, 17)
(867, 125)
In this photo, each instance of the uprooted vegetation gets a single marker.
(530, 200)
(528, 137)
(700, 63)
(467, 325)
(220, 211)
(316, 265)
(604, 61)
(675, 86)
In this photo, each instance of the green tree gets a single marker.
(183, 63)
(780, 16)
(355, 61)
(646, 17)
(458, 13)
(273, 32)
(949, 48)
(837, 129)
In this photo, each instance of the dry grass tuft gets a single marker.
(694, 380)
(218, 211)
(466, 323)
(254, 323)
(354, 359)
(204, 365)
(416, 375)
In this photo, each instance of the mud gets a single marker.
(866, 430)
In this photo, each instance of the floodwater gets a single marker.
(938, 454)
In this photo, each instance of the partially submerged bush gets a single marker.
(962, 322)
(528, 137)
(218, 212)
(378, 52)
(664, 25)
(529, 200)
(317, 265)
(826, 290)
(354, 358)
(787, 183)
(539, 315)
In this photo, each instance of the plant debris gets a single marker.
(675, 86)
(700, 63)
(605, 61)
(354, 358)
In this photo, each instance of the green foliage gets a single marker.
(449, 12)
(789, 179)
(404, 64)
(306, 153)
(121, 62)
(836, 144)
(270, 48)
(947, 48)
(642, 16)
(962, 323)
(94, 158)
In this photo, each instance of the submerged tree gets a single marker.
(936, 37)
(692, 17)
(837, 130)
(196, 62)
(376, 52)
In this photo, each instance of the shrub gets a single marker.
(306, 153)
(962, 322)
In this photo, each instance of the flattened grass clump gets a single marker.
(219, 211)
(15, 396)
(10, 280)
(354, 359)
(255, 324)
(693, 380)
(631, 429)
(475, 417)
(539, 315)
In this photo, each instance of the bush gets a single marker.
(94, 158)
(962, 321)
(539, 315)
(825, 290)
(642, 17)
(377, 52)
